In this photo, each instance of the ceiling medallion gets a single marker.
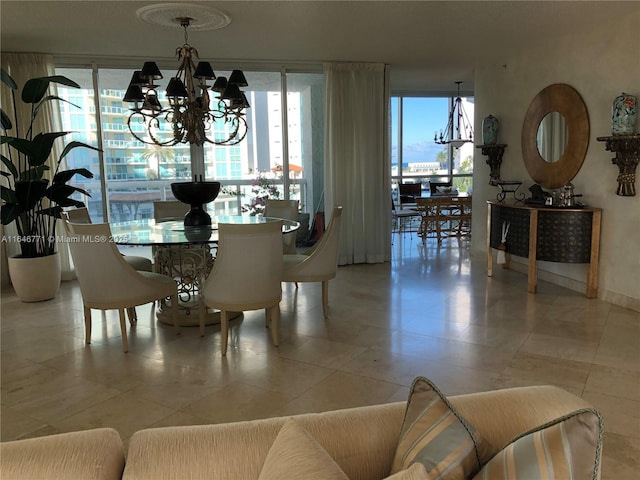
(166, 14)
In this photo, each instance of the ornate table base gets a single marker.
(187, 265)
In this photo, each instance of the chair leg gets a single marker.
(274, 315)
(87, 324)
(202, 310)
(132, 314)
(224, 329)
(123, 330)
(174, 313)
(325, 298)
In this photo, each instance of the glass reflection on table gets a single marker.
(174, 232)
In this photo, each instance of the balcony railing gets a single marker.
(133, 199)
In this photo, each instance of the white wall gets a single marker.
(600, 64)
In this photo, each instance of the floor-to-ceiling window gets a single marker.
(415, 156)
(130, 174)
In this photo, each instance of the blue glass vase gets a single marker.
(490, 126)
(624, 115)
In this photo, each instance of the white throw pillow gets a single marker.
(295, 455)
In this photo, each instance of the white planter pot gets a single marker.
(35, 279)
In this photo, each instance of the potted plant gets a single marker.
(29, 199)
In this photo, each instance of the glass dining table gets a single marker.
(186, 254)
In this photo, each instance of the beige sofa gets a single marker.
(361, 440)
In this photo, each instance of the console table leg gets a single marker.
(489, 249)
(592, 272)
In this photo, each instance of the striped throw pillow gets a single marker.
(414, 472)
(568, 448)
(434, 434)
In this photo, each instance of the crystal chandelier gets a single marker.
(192, 112)
(458, 130)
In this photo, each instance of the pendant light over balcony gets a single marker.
(192, 111)
(459, 129)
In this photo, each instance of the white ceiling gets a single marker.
(429, 44)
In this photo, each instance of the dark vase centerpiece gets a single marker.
(196, 194)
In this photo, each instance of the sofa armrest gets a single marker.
(89, 455)
(501, 415)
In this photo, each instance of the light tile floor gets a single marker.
(432, 311)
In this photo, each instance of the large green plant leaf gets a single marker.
(9, 164)
(49, 98)
(8, 195)
(29, 193)
(9, 212)
(43, 143)
(7, 80)
(66, 175)
(59, 193)
(6, 121)
(35, 88)
(22, 145)
(35, 173)
(71, 145)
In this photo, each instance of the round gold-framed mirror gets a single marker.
(565, 100)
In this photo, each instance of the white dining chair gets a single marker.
(165, 210)
(287, 209)
(142, 264)
(81, 215)
(107, 281)
(320, 262)
(246, 275)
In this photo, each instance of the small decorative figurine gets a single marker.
(538, 195)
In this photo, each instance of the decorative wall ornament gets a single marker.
(627, 149)
(494, 152)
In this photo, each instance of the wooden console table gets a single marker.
(565, 235)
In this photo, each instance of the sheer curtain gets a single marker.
(22, 67)
(357, 164)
